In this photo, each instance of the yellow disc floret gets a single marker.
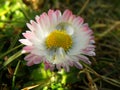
(59, 38)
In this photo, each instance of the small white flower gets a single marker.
(58, 40)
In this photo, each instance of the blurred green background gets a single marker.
(103, 17)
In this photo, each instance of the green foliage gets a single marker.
(103, 17)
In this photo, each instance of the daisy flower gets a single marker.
(58, 40)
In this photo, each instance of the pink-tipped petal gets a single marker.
(71, 18)
(28, 48)
(70, 63)
(78, 21)
(49, 66)
(28, 35)
(37, 60)
(89, 53)
(25, 42)
(89, 48)
(90, 32)
(33, 23)
(58, 66)
(33, 26)
(30, 26)
(28, 57)
(66, 67)
(78, 65)
(84, 59)
(92, 41)
(50, 11)
(33, 59)
(66, 15)
(37, 18)
(85, 27)
(44, 20)
(30, 63)
(58, 15)
(52, 17)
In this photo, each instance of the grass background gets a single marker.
(103, 16)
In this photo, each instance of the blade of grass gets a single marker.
(111, 81)
(91, 84)
(23, 10)
(14, 41)
(11, 50)
(83, 8)
(16, 55)
(14, 75)
(1, 47)
(108, 30)
(107, 79)
(12, 58)
(30, 87)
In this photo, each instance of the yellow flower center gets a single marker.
(59, 38)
